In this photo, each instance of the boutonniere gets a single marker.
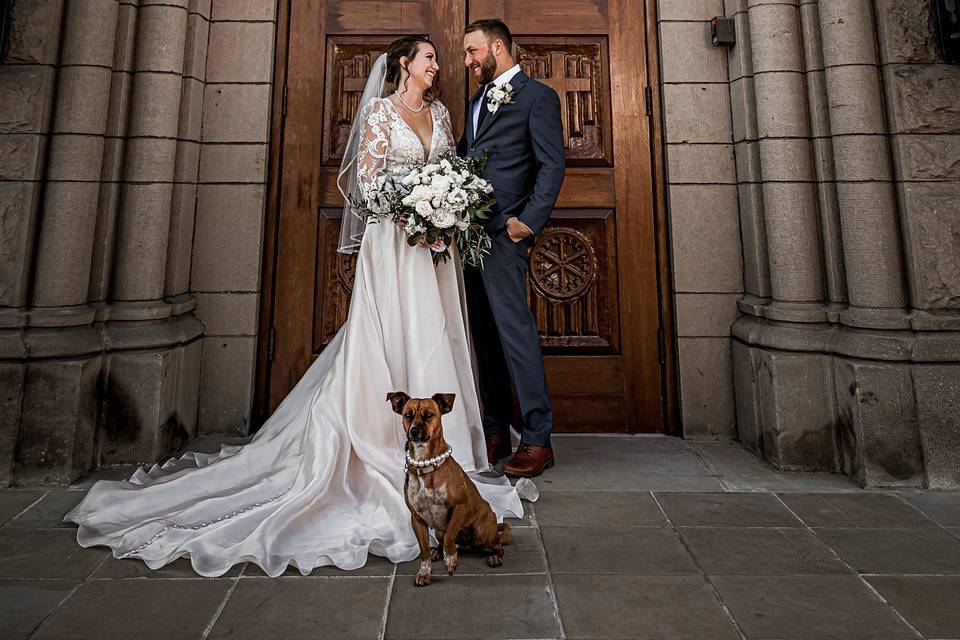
(498, 96)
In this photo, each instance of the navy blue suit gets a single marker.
(525, 167)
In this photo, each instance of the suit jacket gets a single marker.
(527, 159)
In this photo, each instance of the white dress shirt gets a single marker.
(500, 80)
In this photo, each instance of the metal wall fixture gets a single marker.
(948, 28)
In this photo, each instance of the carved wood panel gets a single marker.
(335, 274)
(577, 69)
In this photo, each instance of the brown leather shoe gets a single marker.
(529, 461)
(498, 447)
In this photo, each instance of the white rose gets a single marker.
(444, 218)
(446, 165)
(440, 184)
(411, 179)
(437, 200)
(457, 197)
(424, 209)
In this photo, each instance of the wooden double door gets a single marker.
(594, 276)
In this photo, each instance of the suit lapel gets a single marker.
(472, 134)
(517, 82)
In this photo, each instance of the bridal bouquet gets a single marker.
(441, 203)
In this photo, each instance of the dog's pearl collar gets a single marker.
(429, 462)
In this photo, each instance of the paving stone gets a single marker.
(808, 607)
(929, 603)
(13, 501)
(25, 603)
(599, 508)
(942, 506)
(629, 606)
(752, 551)
(472, 607)
(522, 555)
(855, 510)
(137, 609)
(133, 568)
(896, 550)
(605, 550)
(589, 478)
(726, 510)
(375, 566)
(49, 512)
(45, 553)
(306, 608)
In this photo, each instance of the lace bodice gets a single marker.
(390, 148)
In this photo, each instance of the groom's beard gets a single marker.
(488, 69)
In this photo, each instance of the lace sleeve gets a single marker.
(447, 127)
(372, 153)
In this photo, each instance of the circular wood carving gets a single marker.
(563, 264)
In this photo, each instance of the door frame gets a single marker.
(657, 196)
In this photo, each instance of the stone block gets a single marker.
(191, 110)
(226, 249)
(82, 100)
(746, 397)
(776, 37)
(35, 32)
(21, 156)
(923, 98)
(91, 29)
(753, 237)
(932, 229)
(187, 407)
(937, 390)
(228, 314)
(26, 92)
(180, 244)
(118, 112)
(75, 157)
(927, 157)
(236, 113)
(905, 32)
(101, 267)
(150, 159)
(849, 33)
(688, 54)
(226, 385)
(701, 164)
(743, 109)
(689, 9)
(706, 314)
(856, 101)
(161, 38)
(705, 234)
(747, 155)
(740, 58)
(142, 234)
(812, 39)
(245, 10)
(706, 388)
(12, 376)
(877, 427)
(126, 41)
(197, 39)
(18, 211)
(188, 161)
(697, 113)
(240, 52)
(862, 158)
(233, 163)
(200, 7)
(154, 108)
(797, 409)
(55, 441)
(787, 160)
(781, 105)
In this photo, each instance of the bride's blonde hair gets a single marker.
(409, 47)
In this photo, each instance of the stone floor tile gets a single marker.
(606, 550)
(304, 608)
(896, 550)
(753, 551)
(13, 501)
(375, 566)
(45, 553)
(809, 607)
(486, 607)
(522, 555)
(630, 606)
(942, 506)
(599, 509)
(726, 510)
(863, 509)
(49, 512)
(136, 609)
(585, 479)
(929, 603)
(25, 603)
(134, 568)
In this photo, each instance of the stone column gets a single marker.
(868, 209)
(68, 219)
(790, 199)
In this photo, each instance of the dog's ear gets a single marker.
(444, 401)
(397, 399)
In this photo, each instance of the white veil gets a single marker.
(353, 223)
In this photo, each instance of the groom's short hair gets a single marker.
(494, 30)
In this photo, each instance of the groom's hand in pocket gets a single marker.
(517, 230)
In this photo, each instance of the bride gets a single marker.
(321, 483)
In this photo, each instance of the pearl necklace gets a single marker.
(434, 461)
(400, 98)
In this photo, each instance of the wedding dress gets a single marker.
(321, 483)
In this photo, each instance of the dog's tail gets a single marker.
(504, 529)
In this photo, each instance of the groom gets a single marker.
(517, 120)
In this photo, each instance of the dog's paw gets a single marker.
(423, 575)
(496, 560)
(450, 562)
(436, 553)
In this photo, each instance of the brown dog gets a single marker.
(438, 492)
